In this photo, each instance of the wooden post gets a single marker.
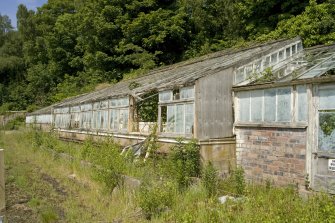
(2, 180)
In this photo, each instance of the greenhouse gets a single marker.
(268, 108)
(288, 121)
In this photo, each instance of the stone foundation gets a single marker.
(221, 154)
(275, 154)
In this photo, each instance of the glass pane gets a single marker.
(248, 71)
(86, 107)
(165, 96)
(104, 104)
(284, 105)
(293, 49)
(266, 62)
(96, 105)
(327, 98)
(170, 123)
(274, 58)
(299, 46)
(239, 76)
(257, 66)
(114, 119)
(103, 119)
(270, 105)
(302, 104)
(119, 102)
(281, 55)
(123, 119)
(75, 109)
(98, 125)
(326, 137)
(288, 52)
(244, 106)
(94, 120)
(180, 118)
(189, 118)
(256, 105)
(187, 92)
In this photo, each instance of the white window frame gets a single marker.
(118, 107)
(270, 63)
(238, 114)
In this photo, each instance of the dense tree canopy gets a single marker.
(67, 47)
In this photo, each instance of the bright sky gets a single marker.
(9, 7)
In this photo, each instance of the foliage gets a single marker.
(156, 197)
(109, 164)
(66, 47)
(15, 123)
(147, 109)
(210, 179)
(316, 25)
(185, 159)
(265, 76)
(235, 184)
(327, 123)
(151, 144)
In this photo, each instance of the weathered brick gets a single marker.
(277, 154)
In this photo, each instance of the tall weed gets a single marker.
(185, 162)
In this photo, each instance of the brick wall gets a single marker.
(275, 154)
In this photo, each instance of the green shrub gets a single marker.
(185, 162)
(156, 197)
(210, 180)
(239, 181)
(109, 164)
(15, 123)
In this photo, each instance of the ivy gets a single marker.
(327, 123)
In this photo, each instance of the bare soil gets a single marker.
(18, 207)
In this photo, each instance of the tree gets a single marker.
(316, 25)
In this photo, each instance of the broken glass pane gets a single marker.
(326, 137)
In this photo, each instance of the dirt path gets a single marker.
(17, 209)
(25, 206)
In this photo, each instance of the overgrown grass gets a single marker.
(170, 191)
(13, 124)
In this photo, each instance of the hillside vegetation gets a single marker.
(52, 181)
(67, 47)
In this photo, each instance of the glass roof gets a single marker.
(308, 64)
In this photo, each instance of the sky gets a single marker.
(9, 7)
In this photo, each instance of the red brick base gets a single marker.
(275, 154)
